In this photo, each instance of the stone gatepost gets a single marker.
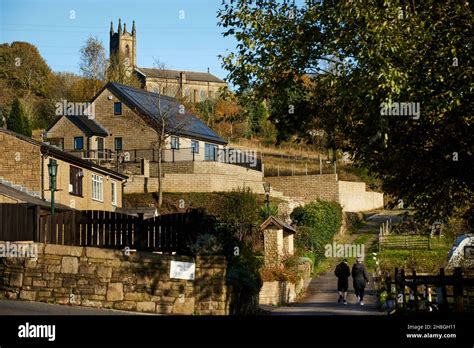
(277, 240)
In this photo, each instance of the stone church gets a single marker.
(193, 85)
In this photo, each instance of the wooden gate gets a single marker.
(18, 222)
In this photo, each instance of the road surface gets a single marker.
(321, 295)
(9, 307)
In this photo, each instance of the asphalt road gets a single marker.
(321, 295)
(9, 307)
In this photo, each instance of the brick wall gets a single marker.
(102, 278)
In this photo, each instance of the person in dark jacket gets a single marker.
(342, 273)
(360, 278)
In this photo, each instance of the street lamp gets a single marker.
(266, 187)
(53, 171)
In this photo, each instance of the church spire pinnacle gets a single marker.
(111, 28)
(133, 29)
(124, 27)
(120, 27)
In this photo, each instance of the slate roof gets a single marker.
(273, 221)
(146, 105)
(67, 157)
(88, 126)
(174, 74)
(25, 197)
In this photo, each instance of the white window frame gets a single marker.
(114, 193)
(174, 142)
(97, 188)
(195, 149)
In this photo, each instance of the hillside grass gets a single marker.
(421, 261)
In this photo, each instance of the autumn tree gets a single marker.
(93, 63)
(363, 54)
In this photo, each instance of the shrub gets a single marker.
(244, 277)
(288, 271)
(318, 222)
(206, 244)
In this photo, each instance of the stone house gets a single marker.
(192, 85)
(80, 184)
(126, 121)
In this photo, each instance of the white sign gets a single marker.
(182, 270)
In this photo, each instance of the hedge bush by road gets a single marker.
(318, 222)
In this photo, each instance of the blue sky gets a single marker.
(192, 43)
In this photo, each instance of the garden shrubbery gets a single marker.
(317, 222)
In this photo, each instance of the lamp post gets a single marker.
(266, 187)
(53, 171)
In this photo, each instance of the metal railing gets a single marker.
(247, 159)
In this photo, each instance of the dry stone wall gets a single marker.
(102, 278)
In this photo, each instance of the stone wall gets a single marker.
(192, 183)
(133, 130)
(20, 162)
(353, 196)
(196, 167)
(103, 278)
(281, 292)
(307, 187)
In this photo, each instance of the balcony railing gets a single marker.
(250, 160)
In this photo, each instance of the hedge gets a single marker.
(318, 222)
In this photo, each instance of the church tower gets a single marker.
(124, 43)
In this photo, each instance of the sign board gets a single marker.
(469, 252)
(182, 270)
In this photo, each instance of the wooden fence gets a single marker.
(18, 222)
(404, 241)
(446, 292)
(165, 233)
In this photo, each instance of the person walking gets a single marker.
(360, 279)
(342, 273)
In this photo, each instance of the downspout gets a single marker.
(42, 176)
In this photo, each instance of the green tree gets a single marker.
(360, 55)
(17, 120)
